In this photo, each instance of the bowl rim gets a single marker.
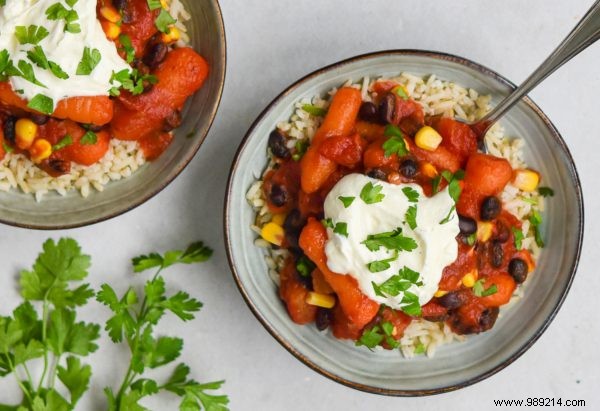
(365, 387)
(176, 171)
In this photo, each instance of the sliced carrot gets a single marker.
(357, 307)
(369, 131)
(505, 287)
(316, 169)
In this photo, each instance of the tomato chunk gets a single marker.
(294, 294)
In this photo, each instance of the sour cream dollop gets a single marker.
(62, 47)
(433, 232)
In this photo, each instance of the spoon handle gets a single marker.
(583, 35)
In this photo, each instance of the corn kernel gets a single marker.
(484, 231)
(110, 13)
(526, 180)
(40, 150)
(440, 293)
(428, 139)
(429, 170)
(320, 300)
(172, 35)
(25, 132)
(273, 233)
(278, 219)
(469, 279)
(164, 4)
(112, 30)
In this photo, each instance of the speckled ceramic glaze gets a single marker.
(455, 365)
(208, 38)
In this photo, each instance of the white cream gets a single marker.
(435, 238)
(63, 48)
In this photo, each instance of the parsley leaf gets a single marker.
(518, 234)
(301, 147)
(195, 253)
(304, 266)
(31, 34)
(371, 337)
(195, 395)
(395, 144)
(28, 74)
(454, 190)
(398, 283)
(127, 47)
(64, 142)
(42, 103)
(479, 291)
(341, 229)
(314, 110)
(393, 240)
(449, 216)
(154, 4)
(164, 20)
(346, 201)
(411, 217)
(411, 194)
(381, 265)
(435, 184)
(471, 239)
(89, 138)
(371, 193)
(546, 192)
(536, 221)
(401, 93)
(89, 61)
(420, 348)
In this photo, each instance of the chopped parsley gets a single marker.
(395, 143)
(38, 57)
(64, 142)
(346, 201)
(7, 148)
(536, 221)
(59, 12)
(420, 348)
(314, 110)
(131, 81)
(479, 291)
(449, 217)
(89, 61)
(401, 93)
(435, 184)
(398, 283)
(374, 336)
(518, 234)
(327, 222)
(154, 4)
(304, 266)
(41, 103)
(341, 229)
(411, 217)
(26, 71)
(163, 21)
(89, 138)
(546, 192)
(301, 147)
(381, 265)
(127, 48)
(31, 34)
(411, 194)
(471, 239)
(393, 240)
(371, 193)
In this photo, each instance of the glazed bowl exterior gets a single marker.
(455, 365)
(207, 36)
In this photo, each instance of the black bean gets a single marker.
(453, 300)
(9, 129)
(386, 108)
(488, 319)
(59, 166)
(293, 224)
(368, 112)
(518, 269)
(408, 168)
(155, 54)
(466, 225)
(490, 208)
(120, 4)
(277, 145)
(39, 119)
(378, 174)
(172, 121)
(279, 195)
(324, 317)
(496, 254)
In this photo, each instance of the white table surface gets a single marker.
(271, 44)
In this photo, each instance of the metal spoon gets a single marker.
(583, 35)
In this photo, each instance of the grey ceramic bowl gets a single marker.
(455, 365)
(207, 35)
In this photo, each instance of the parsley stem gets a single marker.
(52, 375)
(44, 335)
(29, 379)
(19, 382)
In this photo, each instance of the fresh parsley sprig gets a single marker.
(134, 322)
(55, 336)
(392, 240)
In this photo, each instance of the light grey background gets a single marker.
(270, 45)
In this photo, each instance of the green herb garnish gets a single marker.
(420, 348)
(38, 57)
(518, 234)
(448, 218)
(127, 47)
(411, 217)
(401, 93)
(411, 194)
(341, 229)
(304, 266)
(314, 110)
(31, 34)
(546, 192)
(381, 265)
(42, 104)
(471, 239)
(64, 142)
(163, 21)
(89, 61)
(536, 221)
(372, 337)
(301, 147)
(346, 201)
(371, 193)
(395, 144)
(393, 240)
(89, 138)
(479, 291)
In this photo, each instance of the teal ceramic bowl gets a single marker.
(455, 365)
(207, 36)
